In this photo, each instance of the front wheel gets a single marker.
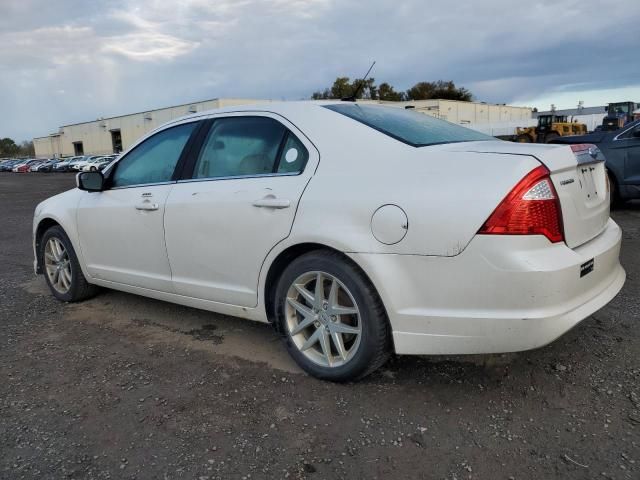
(332, 319)
(61, 267)
(551, 137)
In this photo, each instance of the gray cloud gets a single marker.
(72, 60)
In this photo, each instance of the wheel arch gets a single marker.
(43, 225)
(289, 254)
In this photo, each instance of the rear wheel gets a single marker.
(61, 268)
(333, 322)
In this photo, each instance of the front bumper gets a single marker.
(501, 294)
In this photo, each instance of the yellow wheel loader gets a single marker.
(549, 128)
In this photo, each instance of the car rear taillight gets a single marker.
(531, 208)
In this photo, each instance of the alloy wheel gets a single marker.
(58, 265)
(323, 319)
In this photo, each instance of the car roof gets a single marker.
(282, 108)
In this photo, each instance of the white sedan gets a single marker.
(356, 230)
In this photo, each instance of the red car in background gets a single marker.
(25, 166)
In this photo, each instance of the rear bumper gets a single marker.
(502, 294)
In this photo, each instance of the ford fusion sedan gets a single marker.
(357, 230)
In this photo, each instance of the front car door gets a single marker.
(622, 153)
(631, 140)
(238, 200)
(121, 228)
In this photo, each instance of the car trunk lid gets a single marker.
(579, 176)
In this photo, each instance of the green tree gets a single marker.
(387, 92)
(440, 89)
(343, 87)
(26, 149)
(8, 147)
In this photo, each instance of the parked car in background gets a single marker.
(66, 165)
(34, 167)
(98, 163)
(357, 230)
(45, 166)
(621, 149)
(8, 165)
(78, 166)
(25, 166)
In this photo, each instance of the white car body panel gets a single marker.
(582, 189)
(445, 288)
(206, 264)
(502, 294)
(137, 258)
(201, 207)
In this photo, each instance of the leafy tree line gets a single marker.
(344, 87)
(9, 148)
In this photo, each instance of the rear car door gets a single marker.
(235, 202)
(121, 228)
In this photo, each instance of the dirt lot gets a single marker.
(128, 387)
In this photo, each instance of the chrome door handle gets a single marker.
(147, 206)
(270, 201)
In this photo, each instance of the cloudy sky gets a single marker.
(67, 61)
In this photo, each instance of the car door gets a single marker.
(628, 142)
(121, 228)
(238, 200)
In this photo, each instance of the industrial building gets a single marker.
(115, 134)
(492, 119)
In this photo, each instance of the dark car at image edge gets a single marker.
(621, 149)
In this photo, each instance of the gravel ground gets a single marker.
(128, 387)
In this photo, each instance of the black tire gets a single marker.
(375, 342)
(550, 137)
(79, 289)
(614, 193)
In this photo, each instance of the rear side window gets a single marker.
(415, 129)
(249, 146)
(155, 159)
(294, 156)
(240, 146)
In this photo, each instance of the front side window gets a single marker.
(415, 129)
(631, 133)
(240, 146)
(155, 159)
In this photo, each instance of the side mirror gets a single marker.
(90, 181)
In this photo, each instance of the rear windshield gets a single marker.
(416, 129)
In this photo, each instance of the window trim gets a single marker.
(187, 150)
(186, 174)
(240, 177)
(620, 136)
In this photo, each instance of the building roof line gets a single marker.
(142, 111)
